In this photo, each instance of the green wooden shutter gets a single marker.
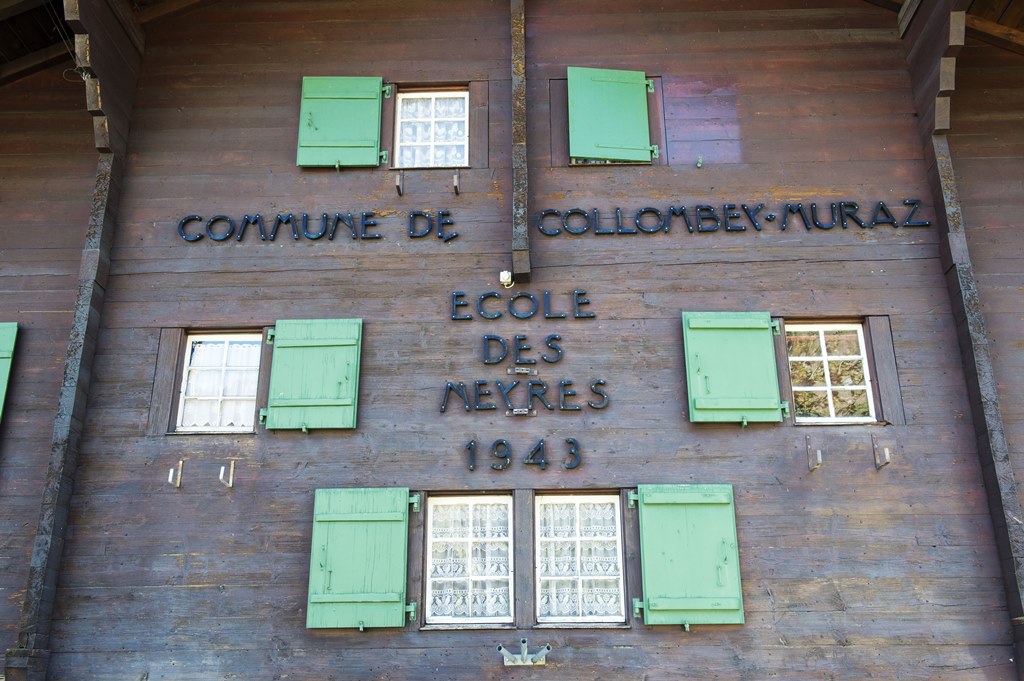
(8, 332)
(357, 565)
(314, 376)
(608, 115)
(339, 123)
(688, 554)
(730, 367)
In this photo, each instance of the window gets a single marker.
(688, 558)
(608, 116)
(432, 129)
(579, 559)
(218, 383)
(8, 333)
(830, 374)
(469, 577)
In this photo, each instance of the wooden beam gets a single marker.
(520, 175)
(996, 34)
(906, 15)
(33, 62)
(10, 8)
(165, 9)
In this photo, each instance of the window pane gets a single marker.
(807, 374)
(200, 413)
(490, 559)
(598, 520)
(811, 403)
(240, 383)
(450, 521)
(449, 599)
(557, 520)
(842, 342)
(207, 354)
(491, 599)
(557, 559)
(238, 413)
(244, 354)
(601, 598)
(449, 559)
(205, 383)
(599, 558)
(558, 598)
(803, 344)
(450, 107)
(490, 520)
(851, 403)
(846, 372)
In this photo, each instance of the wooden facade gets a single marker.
(851, 570)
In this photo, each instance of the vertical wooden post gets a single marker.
(520, 181)
(933, 38)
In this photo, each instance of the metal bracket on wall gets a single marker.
(813, 455)
(176, 479)
(400, 182)
(524, 658)
(883, 453)
(230, 480)
(456, 180)
(521, 412)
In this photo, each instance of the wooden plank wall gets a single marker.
(849, 572)
(986, 142)
(47, 170)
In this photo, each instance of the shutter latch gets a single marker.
(411, 609)
(387, 91)
(785, 409)
(384, 156)
(263, 415)
(776, 328)
(649, 82)
(271, 332)
(632, 500)
(654, 151)
(638, 605)
(414, 499)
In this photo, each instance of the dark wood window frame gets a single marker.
(881, 358)
(163, 404)
(478, 121)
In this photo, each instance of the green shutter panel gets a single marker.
(314, 375)
(339, 123)
(688, 555)
(357, 566)
(8, 332)
(608, 115)
(731, 374)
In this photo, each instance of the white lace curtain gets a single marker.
(469, 575)
(579, 565)
(220, 380)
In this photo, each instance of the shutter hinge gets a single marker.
(650, 84)
(387, 91)
(638, 605)
(632, 498)
(411, 609)
(654, 151)
(776, 328)
(384, 156)
(414, 499)
(263, 415)
(271, 332)
(785, 409)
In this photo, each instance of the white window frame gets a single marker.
(428, 581)
(578, 500)
(433, 95)
(187, 369)
(828, 388)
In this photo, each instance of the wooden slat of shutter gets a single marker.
(357, 568)
(731, 373)
(8, 333)
(608, 115)
(339, 122)
(314, 377)
(689, 557)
